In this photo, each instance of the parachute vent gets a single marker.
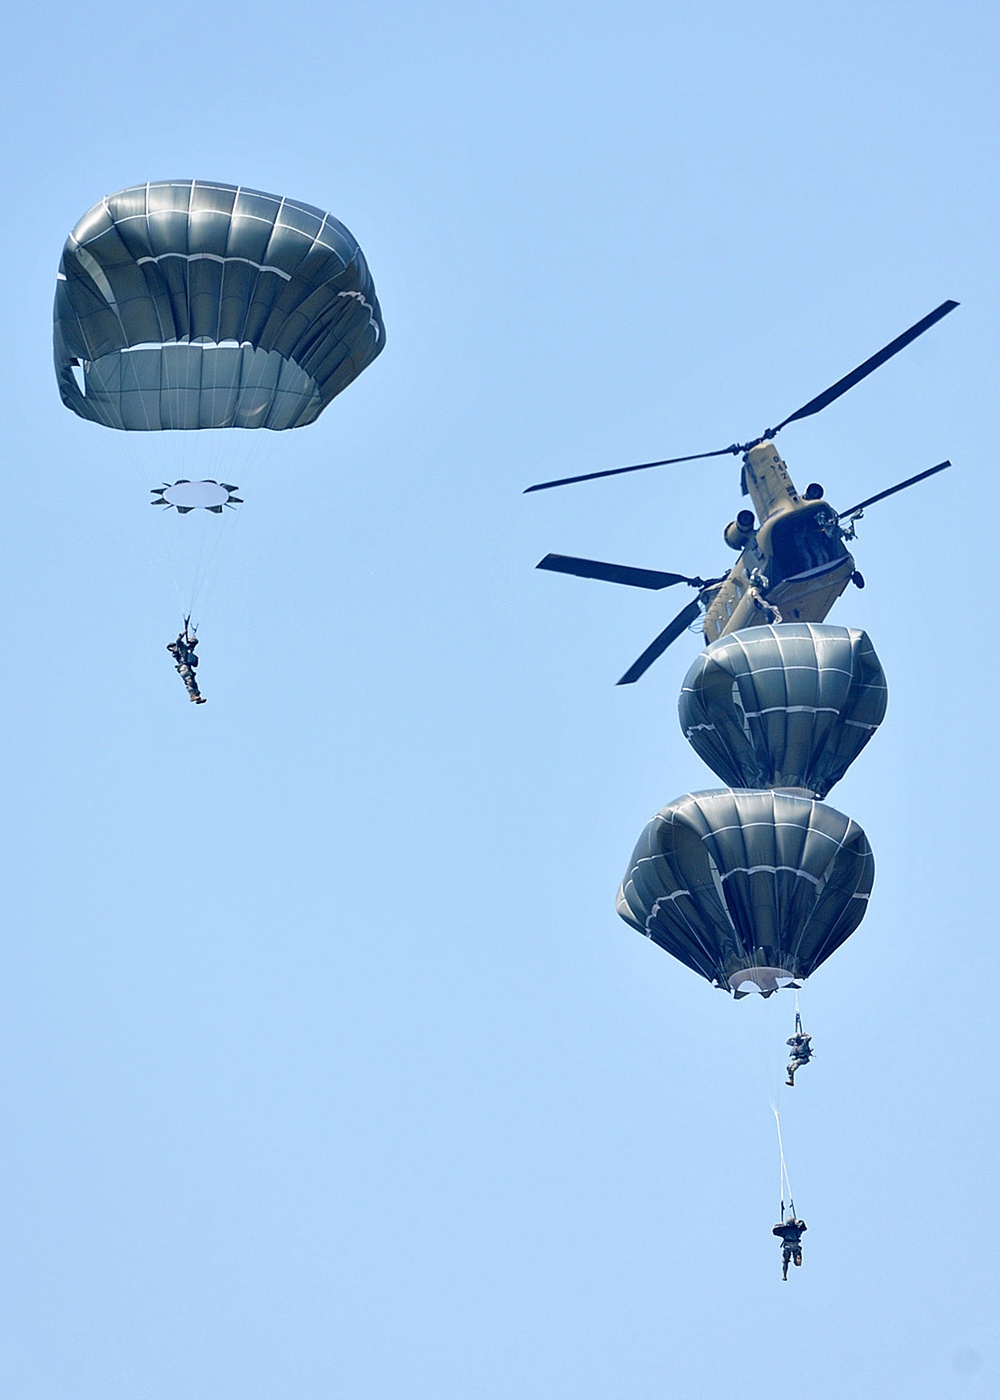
(765, 980)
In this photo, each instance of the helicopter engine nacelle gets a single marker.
(739, 532)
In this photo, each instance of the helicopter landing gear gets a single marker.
(858, 579)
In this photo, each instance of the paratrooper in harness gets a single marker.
(186, 661)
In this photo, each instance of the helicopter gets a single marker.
(793, 561)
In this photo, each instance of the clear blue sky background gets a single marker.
(328, 1071)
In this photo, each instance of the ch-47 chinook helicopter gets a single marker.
(793, 564)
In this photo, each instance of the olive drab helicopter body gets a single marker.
(793, 561)
(792, 568)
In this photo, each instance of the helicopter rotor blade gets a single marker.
(733, 450)
(863, 370)
(821, 401)
(656, 648)
(614, 573)
(911, 481)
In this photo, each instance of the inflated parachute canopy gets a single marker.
(190, 304)
(785, 706)
(749, 889)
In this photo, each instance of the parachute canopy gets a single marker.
(189, 304)
(789, 706)
(749, 889)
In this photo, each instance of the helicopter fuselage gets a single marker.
(793, 563)
(792, 568)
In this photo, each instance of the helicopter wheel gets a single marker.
(858, 579)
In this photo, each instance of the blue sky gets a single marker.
(328, 1069)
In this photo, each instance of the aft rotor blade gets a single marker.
(670, 633)
(614, 573)
(869, 366)
(912, 481)
(639, 467)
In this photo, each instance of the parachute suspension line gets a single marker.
(183, 601)
(784, 1184)
(216, 543)
(130, 363)
(764, 1051)
(207, 548)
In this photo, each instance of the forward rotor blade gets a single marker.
(639, 467)
(912, 481)
(614, 573)
(656, 648)
(863, 370)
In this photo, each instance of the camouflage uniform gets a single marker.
(801, 1053)
(185, 660)
(790, 1233)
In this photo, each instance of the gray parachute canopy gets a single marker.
(749, 889)
(190, 304)
(784, 706)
